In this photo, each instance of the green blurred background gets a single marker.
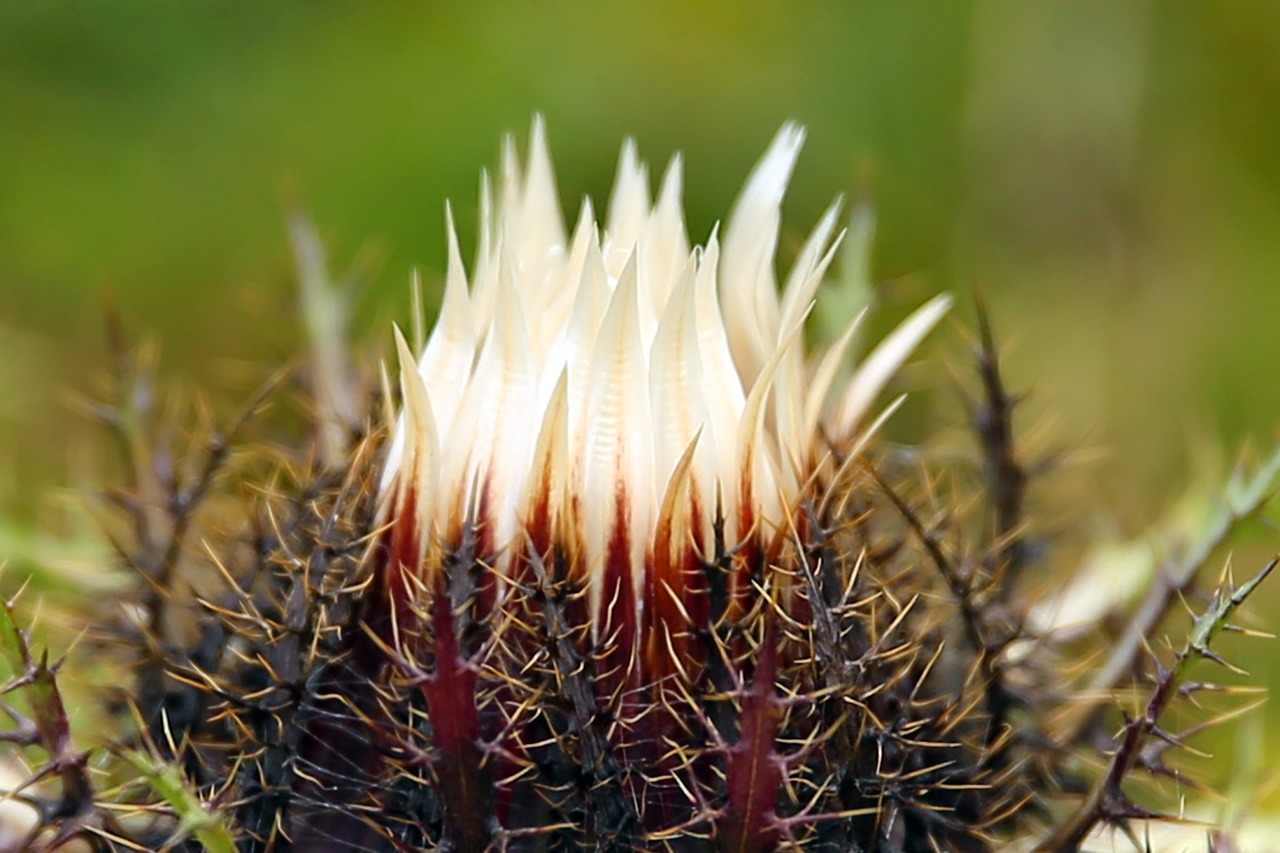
(1107, 170)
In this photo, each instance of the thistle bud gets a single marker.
(625, 429)
(622, 566)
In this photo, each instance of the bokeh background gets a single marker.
(1107, 171)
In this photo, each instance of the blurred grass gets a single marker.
(1105, 169)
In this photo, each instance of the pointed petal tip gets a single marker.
(885, 360)
(787, 142)
(945, 299)
(403, 349)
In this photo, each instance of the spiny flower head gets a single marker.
(624, 573)
(612, 390)
(609, 469)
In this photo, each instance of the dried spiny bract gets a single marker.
(628, 571)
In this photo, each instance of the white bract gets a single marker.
(617, 383)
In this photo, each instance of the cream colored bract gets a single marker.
(618, 375)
